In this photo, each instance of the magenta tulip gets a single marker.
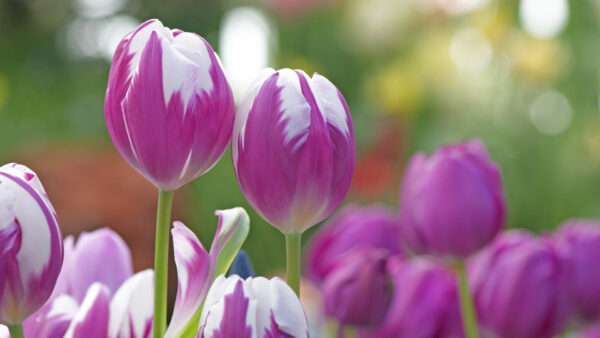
(579, 243)
(169, 108)
(31, 250)
(351, 228)
(519, 287)
(424, 302)
(357, 290)
(452, 202)
(252, 308)
(293, 148)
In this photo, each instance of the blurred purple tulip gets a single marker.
(255, 307)
(357, 291)
(31, 250)
(293, 148)
(452, 202)
(169, 108)
(351, 228)
(579, 243)
(424, 302)
(519, 287)
(587, 332)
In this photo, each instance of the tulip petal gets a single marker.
(194, 274)
(4, 332)
(99, 256)
(53, 319)
(91, 320)
(232, 231)
(132, 307)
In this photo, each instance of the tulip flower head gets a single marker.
(519, 287)
(351, 228)
(579, 243)
(357, 291)
(169, 108)
(424, 302)
(31, 250)
(255, 307)
(452, 203)
(293, 148)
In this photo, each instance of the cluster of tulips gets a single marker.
(388, 274)
(170, 113)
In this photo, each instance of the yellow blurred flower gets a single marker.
(396, 88)
(3, 91)
(538, 60)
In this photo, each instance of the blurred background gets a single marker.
(521, 75)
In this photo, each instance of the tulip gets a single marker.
(293, 153)
(351, 228)
(424, 302)
(356, 292)
(31, 251)
(168, 108)
(255, 307)
(519, 287)
(452, 203)
(197, 268)
(579, 243)
(169, 111)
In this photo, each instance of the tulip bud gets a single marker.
(357, 291)
(519, 287)
(579, 244)
(424, 302)
(353, 227)
(31, 251)
(168, 108)
(255, 307)
(452, 203)
(293, 148)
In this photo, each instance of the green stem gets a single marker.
(292, 249)
(16, 331)
(161, 261)
(466, 303)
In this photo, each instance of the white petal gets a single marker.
(294, 107)
(329, 102)
(139, 39)
(4, 332)
(97, 296)
(132, 304)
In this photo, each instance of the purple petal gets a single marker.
(99, 256)
(91, 320)
(228, 317)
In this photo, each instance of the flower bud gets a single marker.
(352, 227)
(255, 307)
(578, 241)
(31, 250)
(293, 148)
(168, 108)
(519, 287)
(452, 202)
(357, 291)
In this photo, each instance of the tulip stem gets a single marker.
(16, 330)
(161, 261)
(466, 303)
(292, 249)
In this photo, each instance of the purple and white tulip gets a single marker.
(197, 268)
(252, 308)
(293, 148)
(132, 307)
(31, 250)
(452, 203)
(169, 108)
